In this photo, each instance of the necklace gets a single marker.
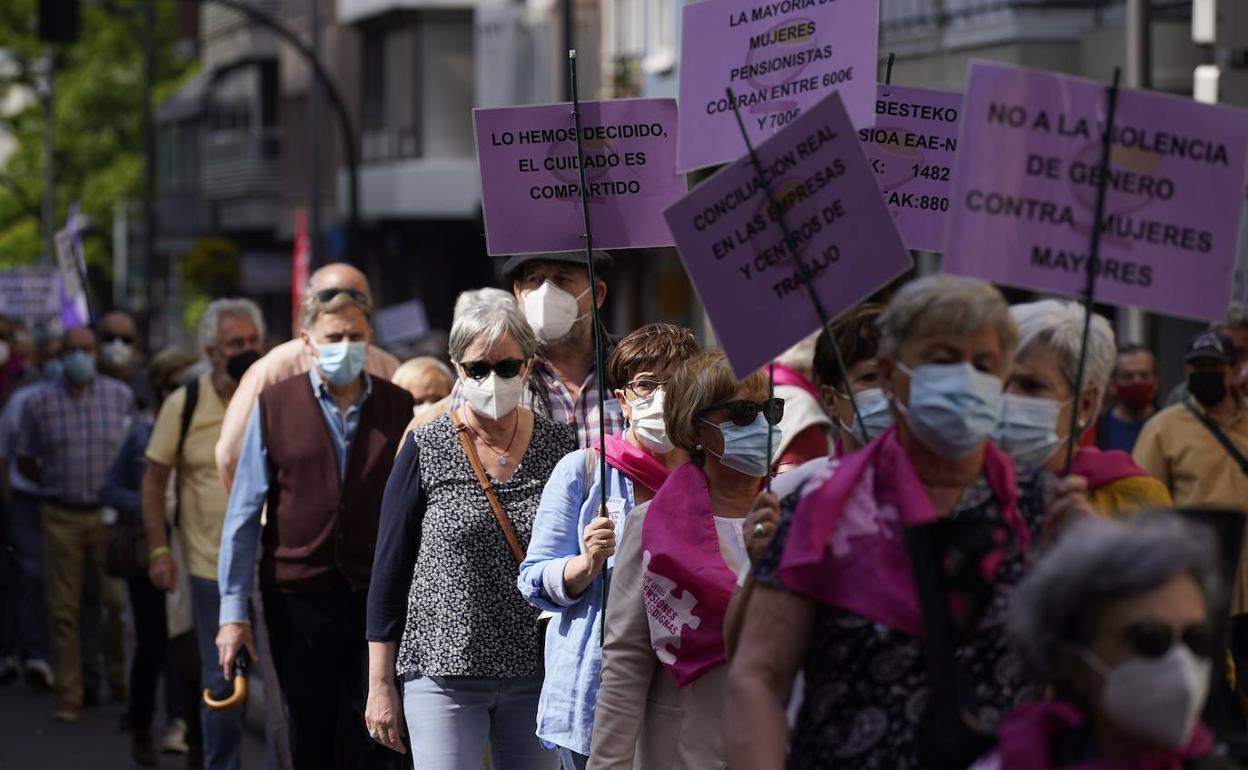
(503, 460)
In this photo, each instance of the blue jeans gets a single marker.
(24, 535)
(570, 760)
(223, 730)
(450, 720)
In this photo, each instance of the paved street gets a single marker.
(31, 740)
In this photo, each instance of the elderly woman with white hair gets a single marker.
(833, 592)
(444, 617)
(1116, 620)
(1040, 397)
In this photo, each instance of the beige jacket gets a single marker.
(642, 719)
(282, 362)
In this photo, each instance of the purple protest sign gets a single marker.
(911, 150)
(734, 251)
(780, 57)
(530, 180)
(1024, 199)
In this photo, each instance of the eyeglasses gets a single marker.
(108, 337)
(325, 295)
(1153, 640)
(743, 412)
(479, 370)
(645, 388)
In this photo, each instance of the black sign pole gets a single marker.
(599, 362)
(1094, 266)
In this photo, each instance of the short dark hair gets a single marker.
(857, 338)
(1131, 348)
(654, 346)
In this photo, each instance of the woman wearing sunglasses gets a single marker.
(662, 693)
(1116, 620)
(573, 543)
(444, 617)
(833, 591)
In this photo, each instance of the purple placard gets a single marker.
(530, 183)
(1024, 199)
(779, 58)
(733, 248)
(911, 149)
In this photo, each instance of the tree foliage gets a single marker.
(98, 120)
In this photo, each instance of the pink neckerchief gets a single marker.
(685, 581)
(846, 545)
(787, 375)
(1027, 736)
(641, 467)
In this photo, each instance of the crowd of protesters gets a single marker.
(944, 532)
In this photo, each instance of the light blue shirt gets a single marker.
(565, 710)
(240, 533)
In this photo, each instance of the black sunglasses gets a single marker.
(108, 337)
(325, 295)
(479, 370)
(742, 413)
(1153, 640)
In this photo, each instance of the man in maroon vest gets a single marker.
(317, 452)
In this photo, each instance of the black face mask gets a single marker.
(238, 365)
(1208, 388)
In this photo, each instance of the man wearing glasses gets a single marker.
(291, 358)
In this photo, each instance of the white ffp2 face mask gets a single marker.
(551, 311)
(495, 396)
(1158, 699)
(647, 423)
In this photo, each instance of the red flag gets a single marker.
(299, 266)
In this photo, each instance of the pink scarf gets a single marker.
(1027, 735)
(787, 375)
(846, 545)
(642, 468)
(685, 581)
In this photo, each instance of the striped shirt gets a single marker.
(75, 438)
(548, 396)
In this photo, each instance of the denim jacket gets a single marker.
(565, 712)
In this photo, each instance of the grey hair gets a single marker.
(232, 307)
(948, 304)
(489, 323)
(486, 296)
(311, 308)
(1098, 561)
(1059, 325)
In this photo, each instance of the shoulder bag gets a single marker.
(504, 523)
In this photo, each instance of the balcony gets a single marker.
(242, 177)
(354, 11)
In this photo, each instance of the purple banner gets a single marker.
(1024, 198)
(734, 251)
(911, 150)
(779, 58)
(530, 178)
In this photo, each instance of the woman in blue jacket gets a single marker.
(573, 543)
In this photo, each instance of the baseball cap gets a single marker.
(1213, 345)
(513, 265)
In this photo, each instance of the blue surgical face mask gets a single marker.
(745, 447)
(341, 362)
(953, 408)
(1027, 431)
(874, 413)
(79, 367)
(52, 370)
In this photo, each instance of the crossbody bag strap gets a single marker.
(504, 523)
(1217, 432)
